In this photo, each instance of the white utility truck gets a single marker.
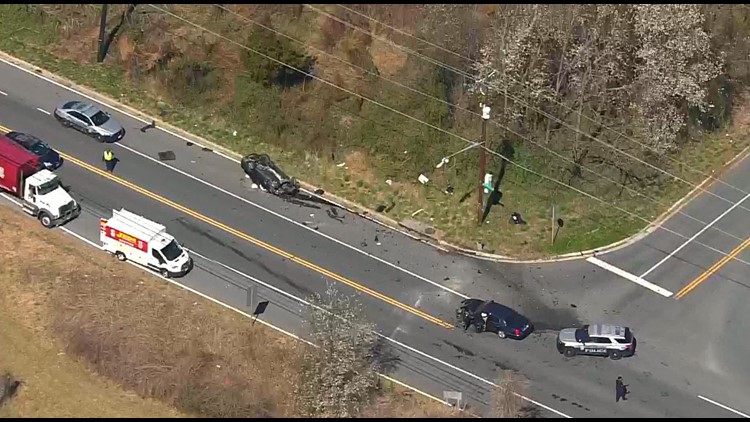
(39, 190)
(132, 237)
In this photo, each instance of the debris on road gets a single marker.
(167, 156)
(151, 125)
(334, 213)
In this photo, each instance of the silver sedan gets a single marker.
(90, 120)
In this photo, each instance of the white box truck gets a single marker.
(132, 237)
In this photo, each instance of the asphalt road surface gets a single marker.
(691, 349)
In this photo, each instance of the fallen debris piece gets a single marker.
(449, 190)
(380, 208)
(207, 149)
(341, 164)
(8, 387)
(389, 182)
(167, 156)
(423, 179)
(417, 212)
(151, 125)
(319, 191)
(190, 144)
(516, 218)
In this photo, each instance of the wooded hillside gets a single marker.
(617, 101)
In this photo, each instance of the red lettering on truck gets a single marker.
(122, 237)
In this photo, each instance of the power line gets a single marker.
(552, 99)
(466, 74)
(626, 212)
(473, 144)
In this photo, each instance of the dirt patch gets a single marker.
(388, 59)
(359, 167)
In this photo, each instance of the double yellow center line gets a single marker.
(253, 240)
(714, 268)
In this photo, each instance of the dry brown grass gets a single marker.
(150, 337)
(389, 60)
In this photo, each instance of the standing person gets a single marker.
(109, 160)
(620, 390)
(467, 319)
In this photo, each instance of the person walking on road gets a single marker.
(620, 390)
(109, 160)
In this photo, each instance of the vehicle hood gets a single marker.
(111, 126)
(50, 157)
(567, 335)
(56, 198)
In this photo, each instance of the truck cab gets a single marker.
(45, 198)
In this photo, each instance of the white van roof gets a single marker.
(140, 227)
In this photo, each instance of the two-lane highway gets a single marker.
(409, 290)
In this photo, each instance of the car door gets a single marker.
(496, 324)
(597, 345)
(80, 121)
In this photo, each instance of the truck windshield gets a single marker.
(48, 187)
(172, 251)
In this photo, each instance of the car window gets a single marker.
(69, 104)
(600, 340)
(157, 255)
(99, 118)
(622, 340)
(79, 116)
(39, 148)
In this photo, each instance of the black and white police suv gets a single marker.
(598, 339)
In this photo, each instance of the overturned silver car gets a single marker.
(268, 176)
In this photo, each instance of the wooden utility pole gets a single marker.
(102, 31)
(482, 163)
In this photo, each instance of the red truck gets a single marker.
(39, 189)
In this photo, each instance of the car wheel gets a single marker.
(98, 137)
(45, 219)
(569, 352)
(120, 256)
(501, 334)
(615, 354)
(164, 273)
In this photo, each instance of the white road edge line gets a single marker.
(419, 352)
(281, 330)
(283, 217)
(296, 223)
(708, 226)
(396, 342)
(723, 407)
(626, 275)
(44, 111)
(3, 93)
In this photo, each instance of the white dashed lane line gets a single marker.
(44, 111)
